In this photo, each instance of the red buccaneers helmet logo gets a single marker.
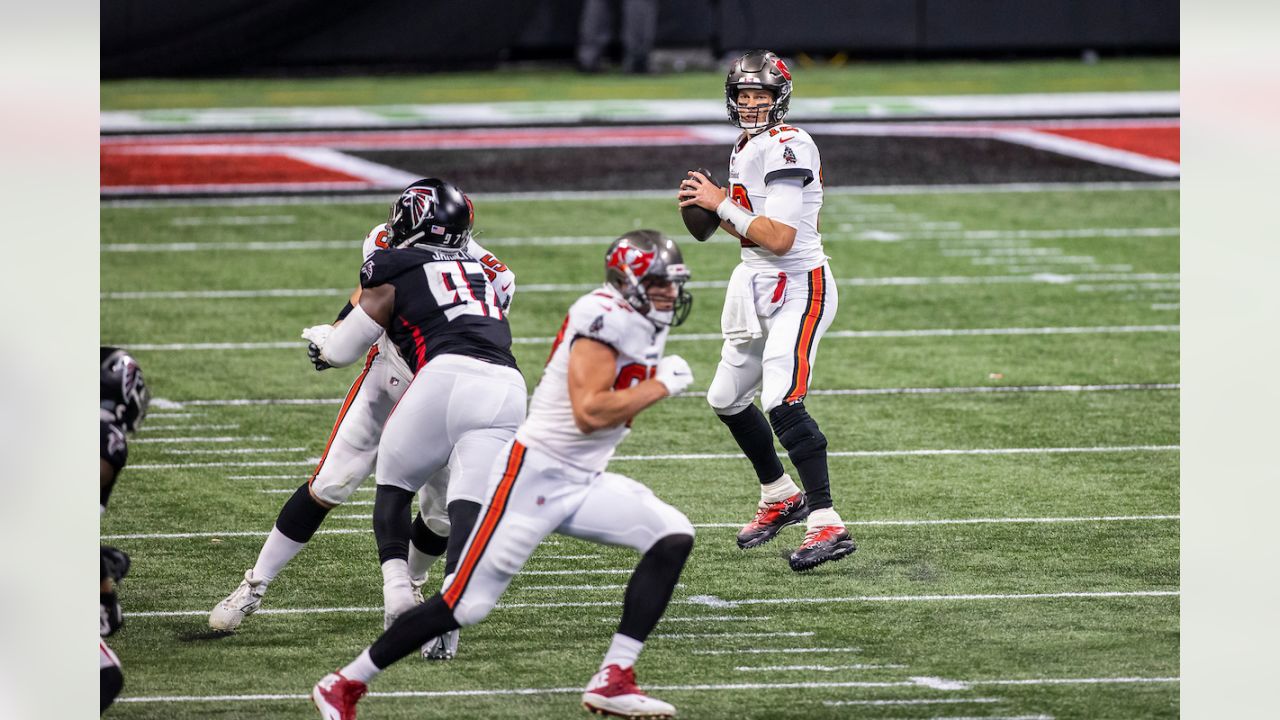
(782, 68)
(628, 256)
(421, 203)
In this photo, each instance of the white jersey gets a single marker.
(604, 316)
(779, 152)
(498, 274)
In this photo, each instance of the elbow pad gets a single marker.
(349, 341)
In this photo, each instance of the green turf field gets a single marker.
(516, 84)
(953, 294)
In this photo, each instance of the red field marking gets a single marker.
(137, 169)
(1153, 141)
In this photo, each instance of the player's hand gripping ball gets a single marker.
(699, 221)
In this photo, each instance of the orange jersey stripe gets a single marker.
(497, 505)
(346, 405)
(808, 331)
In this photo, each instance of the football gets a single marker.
(700, 222)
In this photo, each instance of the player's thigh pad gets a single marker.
(530, 497)
(620, 511)
(793, 334)
(737, 376)
(352, 450)
(415, 441)
(488, 412)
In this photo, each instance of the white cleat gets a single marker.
(247, 598)
(444, 647)
(397, 601)
(613, 691)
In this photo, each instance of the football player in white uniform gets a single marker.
(605, 367)
(352, 450)
(780, 301)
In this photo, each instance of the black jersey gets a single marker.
(444, 304)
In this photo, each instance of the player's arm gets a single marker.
(596, 405)
(499, 275)
(768, 231)
(350, 340)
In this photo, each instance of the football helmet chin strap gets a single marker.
(349, 341)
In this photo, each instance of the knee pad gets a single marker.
(335, 484)
(672, 549)
(797, 432)
(426, 540)
(723, 397)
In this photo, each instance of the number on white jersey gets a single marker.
(460, 288)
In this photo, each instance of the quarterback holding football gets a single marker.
(780, 301)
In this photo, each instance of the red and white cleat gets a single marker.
(335, 696)
(822, 544)
(613, 691)
(770, 518)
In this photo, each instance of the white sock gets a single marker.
(419, 564)
(823, 517)
(276, 552)
(362, 668)
(778, 490)
(623, 652)
(395, 574)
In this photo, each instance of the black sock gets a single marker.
(391, 522)
(462, 518)
(651, 585)
(807, 448)
(301, 516)
(429, 620)
(426, 541)
(110, 682)
(752, 433)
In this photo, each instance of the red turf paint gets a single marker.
(134, 169)
(1158, 142)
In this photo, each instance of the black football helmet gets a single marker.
(124, 393)
(758, 70)
(641, 257)
(432, 213)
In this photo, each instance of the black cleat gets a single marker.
(822, 544)
(770, 518)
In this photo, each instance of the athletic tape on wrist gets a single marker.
(732, 213)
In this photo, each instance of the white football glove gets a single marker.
(318, 335)
(674, 372)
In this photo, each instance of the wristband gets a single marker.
(732, 213)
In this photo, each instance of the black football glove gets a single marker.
(112, 617)
(313, 352)
(115, 563)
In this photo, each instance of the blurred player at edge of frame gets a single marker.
(780, 301)
(352, 449)
(123, 401)
(606, 366)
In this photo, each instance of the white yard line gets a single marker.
(735, 603)
(771, 651)
(716, 337)
(734, 456)
(710, 618)
(224, 426)
(1111, 387)
(958, 521)
(254, 220)
(874, 234)
(222, 439)
(913, 701)
(588, 588)
(1036, 278)
(814, 668)
(231, 451)
(717, 636)
(709, 687)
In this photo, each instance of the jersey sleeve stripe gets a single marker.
(346, 405)
(484, 532)
(808, 332)
(788, 173)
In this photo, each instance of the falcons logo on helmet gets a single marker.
(628, 256)
(420, 202)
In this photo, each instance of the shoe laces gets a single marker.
(822, 533)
